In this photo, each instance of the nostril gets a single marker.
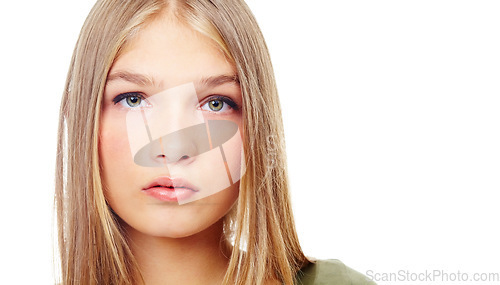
(184, 157)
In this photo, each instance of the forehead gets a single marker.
(172, 53)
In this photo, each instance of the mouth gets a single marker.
(170, 189)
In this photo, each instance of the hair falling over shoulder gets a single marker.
(93, 246)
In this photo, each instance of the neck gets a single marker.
(197, 259)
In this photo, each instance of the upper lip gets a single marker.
(165, 181)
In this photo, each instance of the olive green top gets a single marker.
(331, 272)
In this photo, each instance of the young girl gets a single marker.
(165, 174)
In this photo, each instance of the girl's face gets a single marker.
(169, 144)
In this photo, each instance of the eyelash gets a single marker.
(224, 99)
(126, 95)
(230, 102)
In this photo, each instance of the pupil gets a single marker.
(132, 101)
(215, 105)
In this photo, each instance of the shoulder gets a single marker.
(331, 271)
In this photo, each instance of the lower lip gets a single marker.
(169, 194)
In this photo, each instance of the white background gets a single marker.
(392, 119)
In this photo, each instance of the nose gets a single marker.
(176, 147)
(185, 144)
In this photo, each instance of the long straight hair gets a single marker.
(93, 246)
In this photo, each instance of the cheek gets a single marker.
(116, 161)
(113, 146)
(112, 134)
(114, 149)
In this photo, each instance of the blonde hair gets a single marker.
(93, 246)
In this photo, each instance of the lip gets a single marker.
(170, 189)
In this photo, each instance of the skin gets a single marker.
(173, 244)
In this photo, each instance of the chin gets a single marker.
(178, 231)
(179, 221)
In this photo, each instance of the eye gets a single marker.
(133, 101)
(130, 100)
(219, 104)
(215, 105)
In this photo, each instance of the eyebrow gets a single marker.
(135, 78)
(212, 81)
(143, 80)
